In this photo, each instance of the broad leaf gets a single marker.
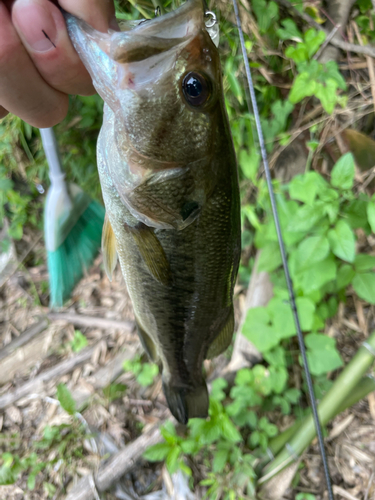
(371, 214)
(322, 355)
(342, 241)
(364, 285)
(316, 276)
(311, 250)
(342, 175)
(66, 399)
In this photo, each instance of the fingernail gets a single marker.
(35, 23)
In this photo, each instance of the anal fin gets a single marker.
(223, 340)
(152, 252)
(109, 248)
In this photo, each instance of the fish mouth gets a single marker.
(139, 54)
(155, 36)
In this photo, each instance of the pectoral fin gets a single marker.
(109, 248)
(223, 340)
(152, 252)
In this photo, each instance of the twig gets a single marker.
(91, 321)
(37, 384)
(258, 294)
(349, 47)
(370, 62)
(115, 467)
(327, 41)
(25, 337)
(345, 494)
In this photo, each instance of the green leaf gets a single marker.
(249, 163)
(371, 214)
(217, 389)
(6, 185)
(282, 317)
(189, 446)
(313, 40)
(331, 71)
(326, 93)
(114, 391)
(220, 460)
(342, 241)
(363, 262)
(79, 341)
(229, 431)
(172, 457)
(310, 251)
(256, 329)
(289, 31)
(147, 374)
(306, 217)
(157, 452)
(316, 276)
(306, 309)
(356, 214)
(345, 275)
(276, 357)
(279, 378)
(303, 85)
(364, 286)
(270, 258)
(305, 496)
(322, 354)
(66, 399)
(342, 175)
(305, 187)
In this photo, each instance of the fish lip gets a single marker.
(158, 35)
(190, 13)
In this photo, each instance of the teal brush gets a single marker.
(72, 226)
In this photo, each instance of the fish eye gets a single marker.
(196, 88)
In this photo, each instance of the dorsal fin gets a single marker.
(109, 248)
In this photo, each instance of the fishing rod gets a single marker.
(283, 256)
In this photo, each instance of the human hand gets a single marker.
(38, 64)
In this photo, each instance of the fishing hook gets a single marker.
(283, 256)
(158, 11)
(210, 23)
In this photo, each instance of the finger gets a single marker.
(100, 14)
(42, 29)
(22, 90)
(3, 112)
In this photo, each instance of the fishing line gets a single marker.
(283, 255)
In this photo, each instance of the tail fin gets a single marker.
(185, 403)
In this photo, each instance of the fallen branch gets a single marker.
(90, 486)
(244, 353)
(91, 321)
(25, 337)
(27, 350)
(104, 376)
(37, 384)
(366, 50)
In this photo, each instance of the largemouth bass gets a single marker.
(169, 178)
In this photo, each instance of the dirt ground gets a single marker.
(351, 437)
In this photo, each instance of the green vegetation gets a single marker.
(58, 449)
(326, 216)
(144, 373)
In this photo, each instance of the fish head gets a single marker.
(162, 80)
